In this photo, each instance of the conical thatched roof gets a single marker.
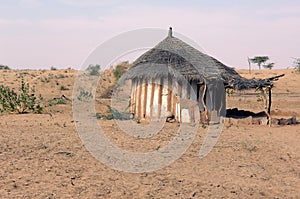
(173, 57)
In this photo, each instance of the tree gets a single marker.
(269, 66)
(259, 60)
(297, 63)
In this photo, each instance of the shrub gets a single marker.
(56, 101)
(269, 66)
(119, 71)
(4, 67)
(63, 88)
(84, 95)
(113, 114)
(22, 102)
(60, 76)
(94, 69)
(53, 68)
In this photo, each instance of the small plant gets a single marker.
(84, 95)
(45, 80)
(94, 70)
(260, 94)
(53, 68)
(106, 117)
(113, 114)
(63, 88)
(229, 125)
(229, 92)
(60, 76)
(22, 102)
(4, 67)
(56, 101)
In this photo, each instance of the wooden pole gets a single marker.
(267, 106)
(249, 63)
(270, 100)
(203, 102)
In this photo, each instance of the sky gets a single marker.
(38, 34)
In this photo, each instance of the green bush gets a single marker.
(84, 95)
(63, 88)
(113, 114)
(94, 69)
(56, 101)
(119, 71)
(21, 102)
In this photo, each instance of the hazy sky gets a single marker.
(62, 33)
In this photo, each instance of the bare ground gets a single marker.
(42, 156)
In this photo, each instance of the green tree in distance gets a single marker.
(297, 63)
(269, 65)
(259, 60)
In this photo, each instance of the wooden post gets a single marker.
(203, 102)
(267, 106)
(270, 100)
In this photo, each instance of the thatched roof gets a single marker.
(174, 58)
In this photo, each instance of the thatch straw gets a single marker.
(173, 54)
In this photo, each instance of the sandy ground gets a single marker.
(42, 156)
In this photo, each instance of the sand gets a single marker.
(42, 156)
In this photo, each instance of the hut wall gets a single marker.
(153, 99)
(138, 99)
(143, 99)
(149, 98)
(132, 97)
(156, 98)
(185, 90)
(164, 94)
(193, 90)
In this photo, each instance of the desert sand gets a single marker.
(42, 156)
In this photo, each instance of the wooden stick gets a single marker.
(266, 107)
(204, 105)
(270, 100)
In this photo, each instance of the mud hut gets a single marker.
(174, 79)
